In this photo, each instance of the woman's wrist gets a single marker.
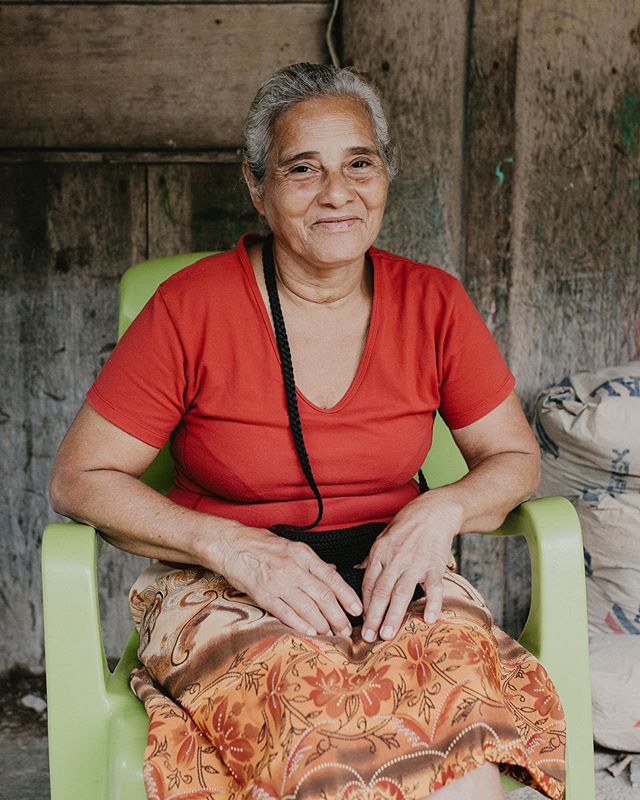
(216, 542)
(445, 504)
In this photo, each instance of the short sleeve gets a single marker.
(474, 378)
(141, 388)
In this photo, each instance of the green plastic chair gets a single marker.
(97, 726)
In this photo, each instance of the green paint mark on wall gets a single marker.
(500, 171)
(629, 123)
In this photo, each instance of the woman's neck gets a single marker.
(335, 285)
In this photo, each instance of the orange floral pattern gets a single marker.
(241, 708)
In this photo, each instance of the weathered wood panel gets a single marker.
(68, 233)
(575, 285)
(145, 2)
(418, 58)
(488, 211)
(416, 55)
(143, 76)
(197, 207)
(550, 240)
(120, 156)
(575, 295)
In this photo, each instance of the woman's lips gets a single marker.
(336, 224)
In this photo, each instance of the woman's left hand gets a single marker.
(414, 548)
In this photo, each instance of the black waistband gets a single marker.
(344, 547)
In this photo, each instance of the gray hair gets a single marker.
(299, 82)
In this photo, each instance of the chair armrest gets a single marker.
(97, 727)
(77, 672)
(556, 628)
(558, 591)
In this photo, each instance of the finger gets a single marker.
(400, 599)
(377, 608)
(286, 614)
(309, 590)
(315, 600)
(346, 597)
(433, 587)
(371, 575)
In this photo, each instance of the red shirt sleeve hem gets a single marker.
(484, 407)
(122, 421)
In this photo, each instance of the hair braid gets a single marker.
(295, 425)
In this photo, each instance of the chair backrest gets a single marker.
(136, 287)
(444, 463)
(140, 282)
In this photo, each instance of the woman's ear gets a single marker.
(254, 192)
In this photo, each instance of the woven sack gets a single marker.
(611, 536)
(588, 428)
(615, 687)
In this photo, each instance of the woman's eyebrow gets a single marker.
(296, 156)
(365, 150)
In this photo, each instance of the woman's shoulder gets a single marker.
(403, 271)
(210, 293)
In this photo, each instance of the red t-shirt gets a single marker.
(200, 366)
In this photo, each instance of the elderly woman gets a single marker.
(289, 650)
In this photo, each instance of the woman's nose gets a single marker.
(335, 190)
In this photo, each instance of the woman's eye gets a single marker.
(301, 169)
(360, 163)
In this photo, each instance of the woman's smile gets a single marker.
(336, 224)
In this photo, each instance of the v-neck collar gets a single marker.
(243, 255)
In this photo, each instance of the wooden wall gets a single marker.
(519, 123)
(119, 126)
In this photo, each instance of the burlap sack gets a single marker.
(615, 687)
(611, 536)
(588, 428)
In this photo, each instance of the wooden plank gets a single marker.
(147, 2)
(575, 290)
(421, 79)
(198, 207)
(161, 76)
(41, 156)
(64, 218)
(490, 152)
(416, 54)
(68, 233)
(575, 295)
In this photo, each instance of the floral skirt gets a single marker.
(242, 708)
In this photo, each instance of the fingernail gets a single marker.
(431, 617)
(311, 632)
(368, 635)
(356, 609)
(386, 632)
(345, 632)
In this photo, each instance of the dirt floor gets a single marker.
(23, 738)
(24, 766)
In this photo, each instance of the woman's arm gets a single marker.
(95, 481)
(504, 469)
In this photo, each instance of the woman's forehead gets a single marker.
(308, 125)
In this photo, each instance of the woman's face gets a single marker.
(326, 185)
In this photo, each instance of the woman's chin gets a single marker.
(335, 245)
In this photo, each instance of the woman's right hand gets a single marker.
(288, 580)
